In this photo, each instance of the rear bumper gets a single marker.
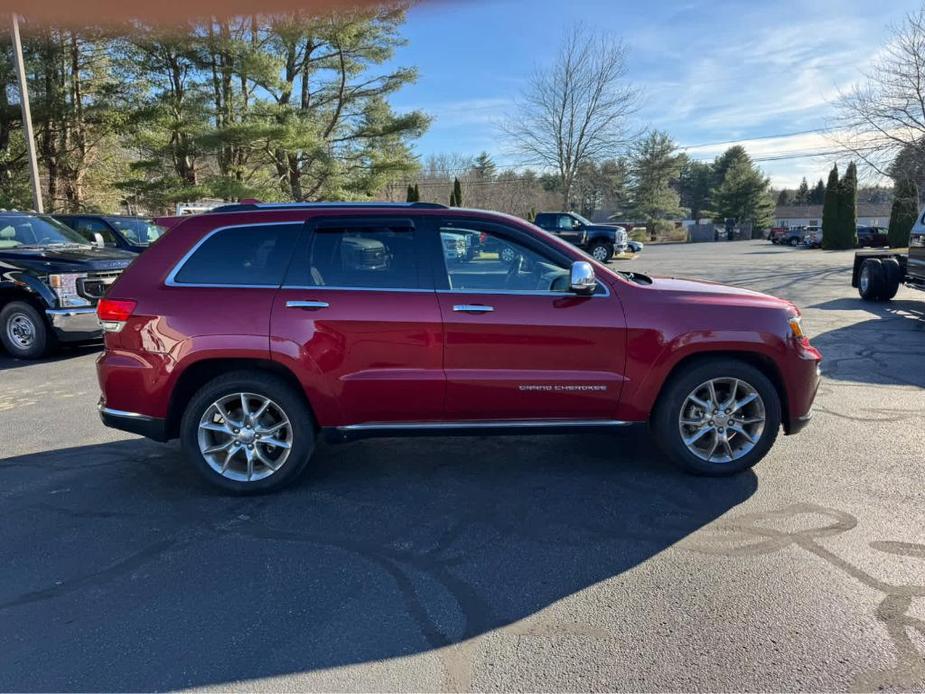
(133, 422)
(74, 324)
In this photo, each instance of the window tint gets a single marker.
(253, 255)
(484, 260)
(362, 257)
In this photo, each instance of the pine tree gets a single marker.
(817, 195)
(457, 192)
(744, 192)
(904, 212)
(409, 197)
(802, 197)
(848, 208)
(830, 211)
(484, 167)
(453, 198)
(417, 193)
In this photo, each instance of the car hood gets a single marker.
(65, 259)
(713, 292)
(604, 227)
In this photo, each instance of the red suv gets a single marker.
(249, 332)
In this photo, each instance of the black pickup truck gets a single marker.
(600, 241)
(50, 281)
(879, 274)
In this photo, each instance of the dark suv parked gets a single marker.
(247, 334)
(50, 282)
(133, 234)
(600, 241)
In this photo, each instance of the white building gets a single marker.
(869, 215)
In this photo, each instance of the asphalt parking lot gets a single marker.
(539, 563)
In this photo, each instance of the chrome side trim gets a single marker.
(126, 415)
(479, 424)
(171, 277)
(528, 292)
(312, 288)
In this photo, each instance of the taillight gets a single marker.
(114, 312)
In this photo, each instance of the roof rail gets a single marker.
(252, 206)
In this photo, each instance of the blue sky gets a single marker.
(709, 71)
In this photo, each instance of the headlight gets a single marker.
(65, 288)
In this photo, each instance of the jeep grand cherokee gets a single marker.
(249, 332)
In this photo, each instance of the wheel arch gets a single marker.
(762, 362)
(197, 374)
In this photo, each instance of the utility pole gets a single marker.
(27, 118)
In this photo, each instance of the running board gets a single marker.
(510, 427)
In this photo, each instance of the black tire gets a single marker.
(269, 386)
(893, 277)
(604, 249)
(794, 242)
(21, 322)
(872, 280)
(665, 418)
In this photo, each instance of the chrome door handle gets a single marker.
(473, 308)
(307, 305)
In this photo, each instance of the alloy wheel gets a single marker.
(599, 253)
(722, 420)
(20, 330)
(245, 437)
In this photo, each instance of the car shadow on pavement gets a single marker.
(59, 354)
(122, 571)
(888, 349)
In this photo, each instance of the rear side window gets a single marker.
(254, 256)
(362, 257)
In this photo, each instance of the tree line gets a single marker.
(283, 107)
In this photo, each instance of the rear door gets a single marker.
(519, 345)
(357, 318)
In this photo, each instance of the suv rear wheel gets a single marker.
(718, 418)
(23, 331)
(248, 432)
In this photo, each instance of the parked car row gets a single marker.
(52, 276)
(811, 236)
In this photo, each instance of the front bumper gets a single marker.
(74, 324)
(134, 423)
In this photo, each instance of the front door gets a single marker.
(358, 318)
(569, 229)
(519, 344)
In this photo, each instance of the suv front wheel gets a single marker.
(248, 432)
(601, 251)
(718, 418)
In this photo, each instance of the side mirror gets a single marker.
(581, 278)
(98, 240)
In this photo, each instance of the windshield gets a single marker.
(140, 232)
(581, 219)
(32, 230)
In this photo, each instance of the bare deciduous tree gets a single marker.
(577, 110)
(884, 115)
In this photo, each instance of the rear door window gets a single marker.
(251, 256)
(360, 255)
